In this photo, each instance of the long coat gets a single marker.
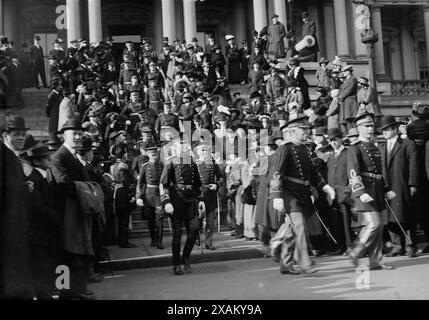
(67, 109)
(400, 172)
(366, 98)
(15, 268)
(53, 110)
(309, 28)
(276, 45)
(347, 94)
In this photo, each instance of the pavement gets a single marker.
(260, 279)
(144, 256)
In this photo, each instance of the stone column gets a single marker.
(328, 17)
(280, 9)
(11, 25)
(408, 58)
(158, 26)
(260, 14)
(313, 10)
(341, 34)
(168, 19)
(73, 20)
(94, 17)
(1, 17)
(360, 48)
(190, 19)
(380, 68)
(426, 18)
(240, 22)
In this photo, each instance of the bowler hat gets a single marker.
(72, 124)
(387, 121)
(11, 122)
(305, 14)
(29, 142)
(37, 37)
(194, 39)
(54, 142)
(334, 133)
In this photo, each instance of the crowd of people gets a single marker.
(163, 132)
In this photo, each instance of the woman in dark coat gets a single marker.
(27, 64)
(245, 52)
(218, 60)
(232, 52)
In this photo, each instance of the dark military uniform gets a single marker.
(182, 185)
(364, 169)
(166, 120)
(209, 174)
(148, 191)
(154, 99)
(292, 174)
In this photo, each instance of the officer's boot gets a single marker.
(186, 265)
(159, 231)
(177, 271)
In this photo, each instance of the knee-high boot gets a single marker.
(159, 232)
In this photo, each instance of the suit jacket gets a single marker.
(37, 53)
(337, 173)
(400, 171)
(347, 94)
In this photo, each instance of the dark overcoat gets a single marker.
(347, 95)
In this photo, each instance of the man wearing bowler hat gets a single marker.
(276, 34)
(66, 170)
(400, 171)
(292, 173)
(15, 272)
(368, 191)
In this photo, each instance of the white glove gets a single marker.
(390, 195)
(201, 206)
(365, 198)
(329, 191)
(278, 204)
(140, 203)
(169, 208)
(213, 187)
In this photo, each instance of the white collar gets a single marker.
(11, 149)
(393, 140)
(341, 148)
(72, 151)
(42, 172)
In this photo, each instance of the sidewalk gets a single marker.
(144, 256)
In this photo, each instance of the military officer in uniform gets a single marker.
(167, 118)
(210, 176)
(368, 190)
(148, 196)
(182, 198)
(292, 174)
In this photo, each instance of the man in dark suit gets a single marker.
(348, 99)
(39, 62)
(337, 179)
(66, 169)
(399, 161)
(309, 29)
(53, 108)
(15, 272)
(368, 190)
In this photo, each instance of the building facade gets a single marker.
(401, 54)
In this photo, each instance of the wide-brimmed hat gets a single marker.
(387, 121)
(72, 124)
(39, 151)
(229, 37)
(334, 133)
(29, 142)
(275, 15)
(363, 81)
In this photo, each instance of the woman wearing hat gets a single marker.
(367, 98)
(323, 74)
(218, 59)
(296, 73)
(235, 74)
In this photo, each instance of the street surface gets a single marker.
(260, 279)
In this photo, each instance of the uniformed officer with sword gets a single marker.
(292, 174)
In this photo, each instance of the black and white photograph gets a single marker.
(212, 156)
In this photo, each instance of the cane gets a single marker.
(169, 223)
(218, 216)
(397, 221)
(324, 226)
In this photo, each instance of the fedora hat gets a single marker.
(72, 124)
(334, 133)
(387, 121)
(421, 111)
(29, 142)
(39, 151)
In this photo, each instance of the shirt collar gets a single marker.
(72, 151)
(42, 172)
(393, 140)
(11, 149)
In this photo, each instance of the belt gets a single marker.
(185, 186)
(372, 175)
(154, 186)
(303, 182)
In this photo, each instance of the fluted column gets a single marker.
(380, 68)
(1, 17)
(168, 19)
(330, 41)
(190, 19)
(341, 34)
(426, 18)
(94, 15)
(73, 20)
(260, 14)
